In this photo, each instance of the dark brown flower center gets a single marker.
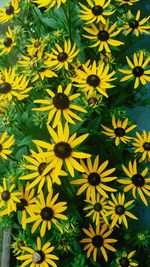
(62, 57)
(62, 150)
(38, 257)
(20, 244)
(94, 179)
(146, 146)
(23, 203)
(47, 214)
(124, 262)
(97, 10)
(5, 88)
(93, 80)
(103, 35)
(61, 101)
(133, 24)
(7, 42)
(119, 209)
(97, 206)
(9, 10)
(42, 167)
(138, 71)
(119, 131)
(1, 147)
(97, 241)
(5, 195)
(92, 101)
(138, 180)
(37, 44)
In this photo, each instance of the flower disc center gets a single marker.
(9, 10)
(23, 203)
(62, 57)
(97, 10)
(124, 262)
(62, 150)
(5, 88)
(38, 257)
(36, 44)
(97, 206)
(119, 209)
(92, 101)
(42, 167)
(93, 80)
(138, 71)
(138, 180)
(119, 131)
(61, 101)
(133, 24)
(94, 179)
(7, 42)
(5, 195)
(97, 241)
(47, 214)
(103, 35)
(146, 146)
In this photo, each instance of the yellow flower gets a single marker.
(60, 103)
(8, 12)
(136, 181)
(61, 57)
(92, 99)
(63, 150)
(8, 198)
(118, 210)
(135, 25)
(94, 179)
(98, 240)
(36, 47)
(39, 257)
(127, 2)
(119, 130)
(103, 36)
(142, 145)
(137, 70)
(42, 73)
(5, 144)
(8, 43)
(13, 85)
(49, 3)
(94, 77)
(97, 11)
(126, 260)
(46, 212)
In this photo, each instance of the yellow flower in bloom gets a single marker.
(94, 77)
(103, 36)
(96, 208)
(36, 47)
(8, 43)
(98, 240)
(38, 257)
(137, 70)
(43, 73)
(94, 179)
(8, 12)
(46, 212)
(13, 85)
(136, 181)
(135, 25)
(5, 144)
(61, 103)
(49, 3)
(8, 198)
(127, 2)
(37, 164)
(126, 260)
(63, 150)
(142, 145)
(61, 57)
(96, 12)
(92, 99)
(119, 130)
(118, 210)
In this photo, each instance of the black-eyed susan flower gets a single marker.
(103, 36)
(63, 150)
(36, 47)
(137, 182)
(43, 73)
(94, 178)
(96, 11)
(94, 77)
(118, 210)
(49, 3)
(125, 260)
(9, 197)
(137, 69)
(61, 103)
(8, 12)
(135, 25)
(46, 212)
(37, 164)
(96, 208)
(61, 57)
(141, 145)
(19, 241)
(38, 257)
(119, 130)
(127, 2)
(7, 43)
(13, 85)
(92, 99)
(98, 240)
(5, 144)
